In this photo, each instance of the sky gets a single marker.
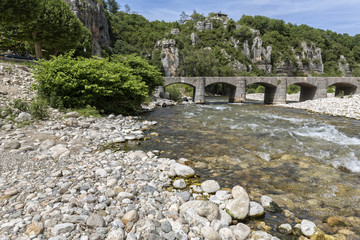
(341, 16)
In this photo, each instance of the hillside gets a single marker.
(218, 46)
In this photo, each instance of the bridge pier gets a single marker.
(199, 91)
(240, 91)
(276, 94)
(321, 90)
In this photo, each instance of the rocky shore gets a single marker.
(347, 106)
(69, 178)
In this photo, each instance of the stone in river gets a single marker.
(256, 209)
(308, 228)
(182, 170)
(179, 183)
(239, 192)
(238, 208)
(210, 186)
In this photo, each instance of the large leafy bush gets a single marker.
(111, 87)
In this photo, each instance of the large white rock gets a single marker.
(179, 183)
(23, 117)
(240, 231)
(210, 186)
(266, 201)
(58, 150)
(210, 233)
(182, 170)
(239, 192)
(256, 209)
(203, 208)
(308, 228)
(238, 208)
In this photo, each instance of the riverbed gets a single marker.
(308, 163)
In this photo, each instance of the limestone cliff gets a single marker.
(92, 15)
(169, 56)
(306, 58)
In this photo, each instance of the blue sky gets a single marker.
(342, 16)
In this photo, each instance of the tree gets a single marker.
(18, 11)
(55, 28)
(183, 17)
(113, 6)
(127, 8)
(197, 16)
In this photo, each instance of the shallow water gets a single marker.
(309, 163)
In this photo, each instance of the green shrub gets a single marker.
(38, 109)
(118, 86)
(20, 104)
(174, 93)
(88, 111)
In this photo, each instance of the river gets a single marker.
(308, 163)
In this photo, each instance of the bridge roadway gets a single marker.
(275, 87)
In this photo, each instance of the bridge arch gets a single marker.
(307, 90)
(345, 88)
(171, 91)
(231, 89)
(270, 90)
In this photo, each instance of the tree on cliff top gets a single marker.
(49, 25)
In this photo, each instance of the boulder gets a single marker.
(210, 186)
(182, 170)
(203, 208)
(308, 228)
(240, 231)
(23, 117)
(210, 233)
(256, 210)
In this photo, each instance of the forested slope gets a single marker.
(218, 46)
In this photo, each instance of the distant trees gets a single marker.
(112, 6)
(48, 25)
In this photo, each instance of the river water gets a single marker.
(308, 163)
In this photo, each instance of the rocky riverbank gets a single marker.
(347, 106)
(69, 178)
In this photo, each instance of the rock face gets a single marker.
(169, 56)
(344, 67)
(92, 15)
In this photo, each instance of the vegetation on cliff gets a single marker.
(215, 45)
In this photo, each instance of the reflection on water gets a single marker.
(306, 162)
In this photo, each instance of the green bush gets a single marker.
(118, 86)
(174, 93)
(38, 109)
(20, 104)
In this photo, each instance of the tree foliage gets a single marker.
(53, 27)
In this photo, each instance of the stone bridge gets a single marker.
(275, 87)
